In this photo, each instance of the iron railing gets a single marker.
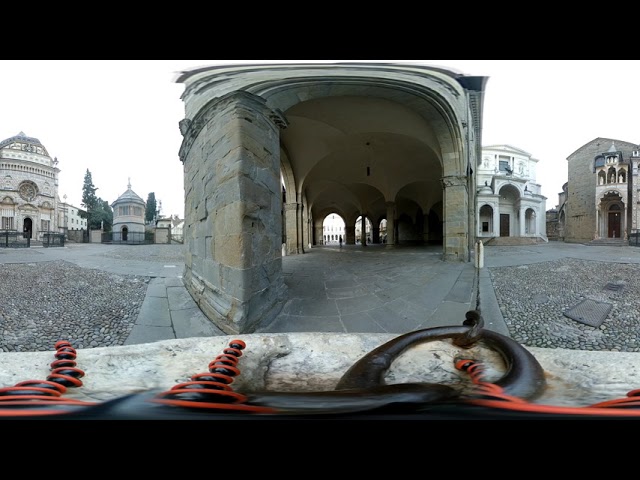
(52, 239)
(131, 238)
(14, 239)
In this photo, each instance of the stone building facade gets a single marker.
(557, 216)
(509, 202)
(602, 195)
(128, 218)
(28, 187)
(270, 150)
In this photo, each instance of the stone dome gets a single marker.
(129, 196)
(22, 138)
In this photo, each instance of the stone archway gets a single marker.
(354, 135)
(27, 227)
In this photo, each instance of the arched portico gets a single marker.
(380, 141)
(611, 216)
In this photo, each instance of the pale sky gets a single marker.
(119, 118)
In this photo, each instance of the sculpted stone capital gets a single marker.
(454, 181)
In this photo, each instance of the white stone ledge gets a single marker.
(315, 362)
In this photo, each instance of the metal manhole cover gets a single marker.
(614, 287)
(589, 312)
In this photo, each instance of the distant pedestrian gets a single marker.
(340, 240)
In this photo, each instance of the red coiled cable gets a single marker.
(492, 396)
(211, 390)
(36, 397)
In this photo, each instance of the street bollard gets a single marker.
(479, 254)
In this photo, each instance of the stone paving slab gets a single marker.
(154, 312)
(149, 334)
(191, 322)
(179, 298)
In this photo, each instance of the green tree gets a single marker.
(102, 215)
(99, 213)
(151, 210)
(89, 199)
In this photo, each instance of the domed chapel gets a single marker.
(128, 217)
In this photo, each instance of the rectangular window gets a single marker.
(504, 165)
(485, 226)
(7, 223)
(44, 225)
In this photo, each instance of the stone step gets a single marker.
(497, 241)
(613, 242)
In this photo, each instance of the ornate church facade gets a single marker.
(510, 202)
(602, 201)
(28, 187)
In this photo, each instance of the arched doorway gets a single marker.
(125, 234)
(509, 220)
(27, 228)
(610, 218)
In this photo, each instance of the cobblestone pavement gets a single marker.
(50, 301)
(534, 297)
(47, 301)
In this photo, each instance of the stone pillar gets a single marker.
(300, 225)
(318, 235)
(495, 228)
(233, 204)
(350, 235)
(290, 216)
(391, 223)
(456, 231)
(375, 234)
(522, 221)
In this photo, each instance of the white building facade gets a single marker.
(70, 217)
(28, 187)
(509, 199)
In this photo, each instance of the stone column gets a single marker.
(522, 221)
(300, 225)
(350, 235)
(391, 223)
(290, 218)
(318, 234)
(456, 231)
(375, 234)
(233, 204)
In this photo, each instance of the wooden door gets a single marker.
(614, 225)
(504, 224)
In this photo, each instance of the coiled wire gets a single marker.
(44, 397)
